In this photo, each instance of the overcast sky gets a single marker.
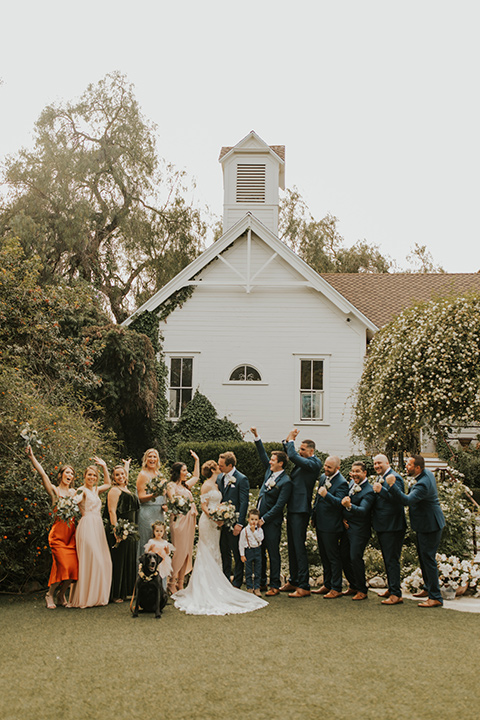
(376, 102)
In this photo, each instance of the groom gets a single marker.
(234, 486)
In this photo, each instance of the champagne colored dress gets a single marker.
(94, 562)
(209, 592)
(182, 533)
(124, 555)
(61, 539)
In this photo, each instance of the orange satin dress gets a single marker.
(61, 539)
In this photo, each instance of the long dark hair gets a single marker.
(175, 471)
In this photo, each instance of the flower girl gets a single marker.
(158, 544)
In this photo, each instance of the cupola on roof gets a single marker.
(252, 173)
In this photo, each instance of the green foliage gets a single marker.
(25, 511)
(421, 372)
(319, 242)
(199, 422)
(93, 200)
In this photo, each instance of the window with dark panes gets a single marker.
(181, 385)
(311, 389)
(245, 373)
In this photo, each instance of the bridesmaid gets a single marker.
(151, 506)
(61, 537)
(182, 527)
(121, 505)
(94, 562)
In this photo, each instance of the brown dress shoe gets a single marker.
(350, 591)
(332, 594)
(360, 596)
(385, 594)
(299, 592)
(272, 591)
(422, 593)
(257, 592)
(321, 591)
(430, 603)
(288, 587)
(392, 600)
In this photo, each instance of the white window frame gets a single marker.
(193, 356)
(325, 358)
(250, 383)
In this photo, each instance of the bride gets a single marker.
(209, 592)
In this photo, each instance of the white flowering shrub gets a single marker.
(421, 371)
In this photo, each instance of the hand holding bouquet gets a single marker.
(225, 513)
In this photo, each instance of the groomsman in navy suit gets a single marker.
(304, 476)
(327, 518)
(357, 512)
(388, 521)
(274, 495)
(234, 486)
(428, 521)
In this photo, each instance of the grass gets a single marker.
(312, 658)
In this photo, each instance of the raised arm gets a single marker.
(264, 459)
(196, 471)
(45, 479)
(106, 477)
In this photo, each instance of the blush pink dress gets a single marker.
(94, 561)
(182, 533)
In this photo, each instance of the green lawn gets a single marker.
(309, 658)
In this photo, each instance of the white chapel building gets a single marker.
(269, 341)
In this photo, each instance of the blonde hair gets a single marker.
(146, 454)
(91, 467)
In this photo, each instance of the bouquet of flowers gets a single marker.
(125, 529)
(226, 513)
(30, 437)
(178, 505)
(157, 485)
(67, 509)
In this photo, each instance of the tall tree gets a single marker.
(319, 242)
(95, 202)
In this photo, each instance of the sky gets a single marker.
(377, 102)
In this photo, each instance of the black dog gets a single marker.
(149, 594)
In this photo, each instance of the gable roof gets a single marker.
(187, 276)
(383, 296)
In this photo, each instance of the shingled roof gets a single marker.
(383, 296)
(277, 149)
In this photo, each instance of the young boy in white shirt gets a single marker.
(250, 547)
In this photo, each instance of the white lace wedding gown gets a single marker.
(208, 591)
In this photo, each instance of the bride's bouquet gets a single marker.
(178, 505)
(157, 485)
(125, 529)
(226, 513)
(67, 509)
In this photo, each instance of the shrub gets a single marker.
(25, 511)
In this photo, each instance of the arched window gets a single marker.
(245, 373)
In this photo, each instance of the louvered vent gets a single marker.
(251, 183)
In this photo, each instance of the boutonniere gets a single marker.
(355, 489)
(270, 483)
(327, 484)
(231, 481)
(380, 480)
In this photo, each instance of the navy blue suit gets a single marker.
(327, 516)
(428, 521)
(304, 476)
(389, 523)
(359, 530)
(270, 506)
(238, 495)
